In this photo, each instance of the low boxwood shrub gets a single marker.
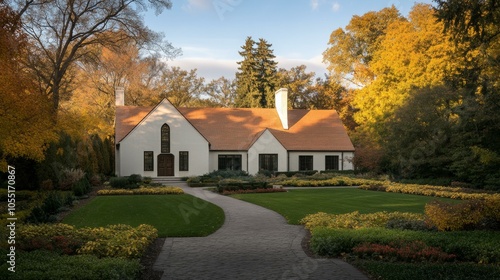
(236, 185)
(44, 264)
(123, 183)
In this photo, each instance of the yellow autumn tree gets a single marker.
(26, 125)
(412, 54)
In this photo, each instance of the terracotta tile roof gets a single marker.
(236, 129)
(127, 117)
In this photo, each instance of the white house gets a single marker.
(167, 141)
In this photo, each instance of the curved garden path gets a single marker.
(253, 243)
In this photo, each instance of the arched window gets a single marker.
(165, 139)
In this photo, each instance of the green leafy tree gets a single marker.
(298, 82)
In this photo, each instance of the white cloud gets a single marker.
(314, 4)
(335, 6)
(211, 68)
(198, 5)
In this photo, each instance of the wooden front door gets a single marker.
(165, 165)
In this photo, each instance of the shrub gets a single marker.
(469, 215)
(122, 183)
(253, 191)
(69, 177)
(411, 251)
(82, 187)
(135, 179)
(236, 185)
(355, 220)
(111, 241)
(50, 265)
(147, 180)
(143, 191)
(473, 246)
(427, 190)
(407, 224)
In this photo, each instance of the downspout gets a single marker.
(342, 161)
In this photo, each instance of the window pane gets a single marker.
(183, 161)
(305, 163)
(148, 161)
(268, 162)
(331, 162)
(165, 139)
(229, 162)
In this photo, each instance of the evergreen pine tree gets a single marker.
(246, 76)
(257, 76)
(267, 73)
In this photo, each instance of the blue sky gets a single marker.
(211, 32)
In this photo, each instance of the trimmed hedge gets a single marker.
(143, 191)
(428, 190)
(356, 220)
(241, 185)
(50, 265)
(470, 246)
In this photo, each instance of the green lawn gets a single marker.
(296, 204)
(173, 215)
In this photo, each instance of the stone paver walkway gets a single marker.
(253, 243)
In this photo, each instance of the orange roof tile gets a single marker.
(236, 129)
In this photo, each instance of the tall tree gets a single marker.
(246, 77)
(25, 125)
(351, 50)
(266, 71)
(65, 31)
(182, 87)
(413, 54)
(475, 29)
(221, 93)
(257, 75)
(298, 83)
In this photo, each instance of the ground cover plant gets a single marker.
(297, 203)
(172, 215)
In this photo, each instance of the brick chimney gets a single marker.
(120, 96)
(281, 103)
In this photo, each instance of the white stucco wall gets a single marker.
(146, 137)
(266, 144)
(319, 159)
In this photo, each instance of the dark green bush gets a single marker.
(50, 265)
(418, 271)
(82, 187)
(226, 173)
(406, 224)
(135, 179)
(473, 246)
(121, 183)
(235, 186)
(295, 173)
